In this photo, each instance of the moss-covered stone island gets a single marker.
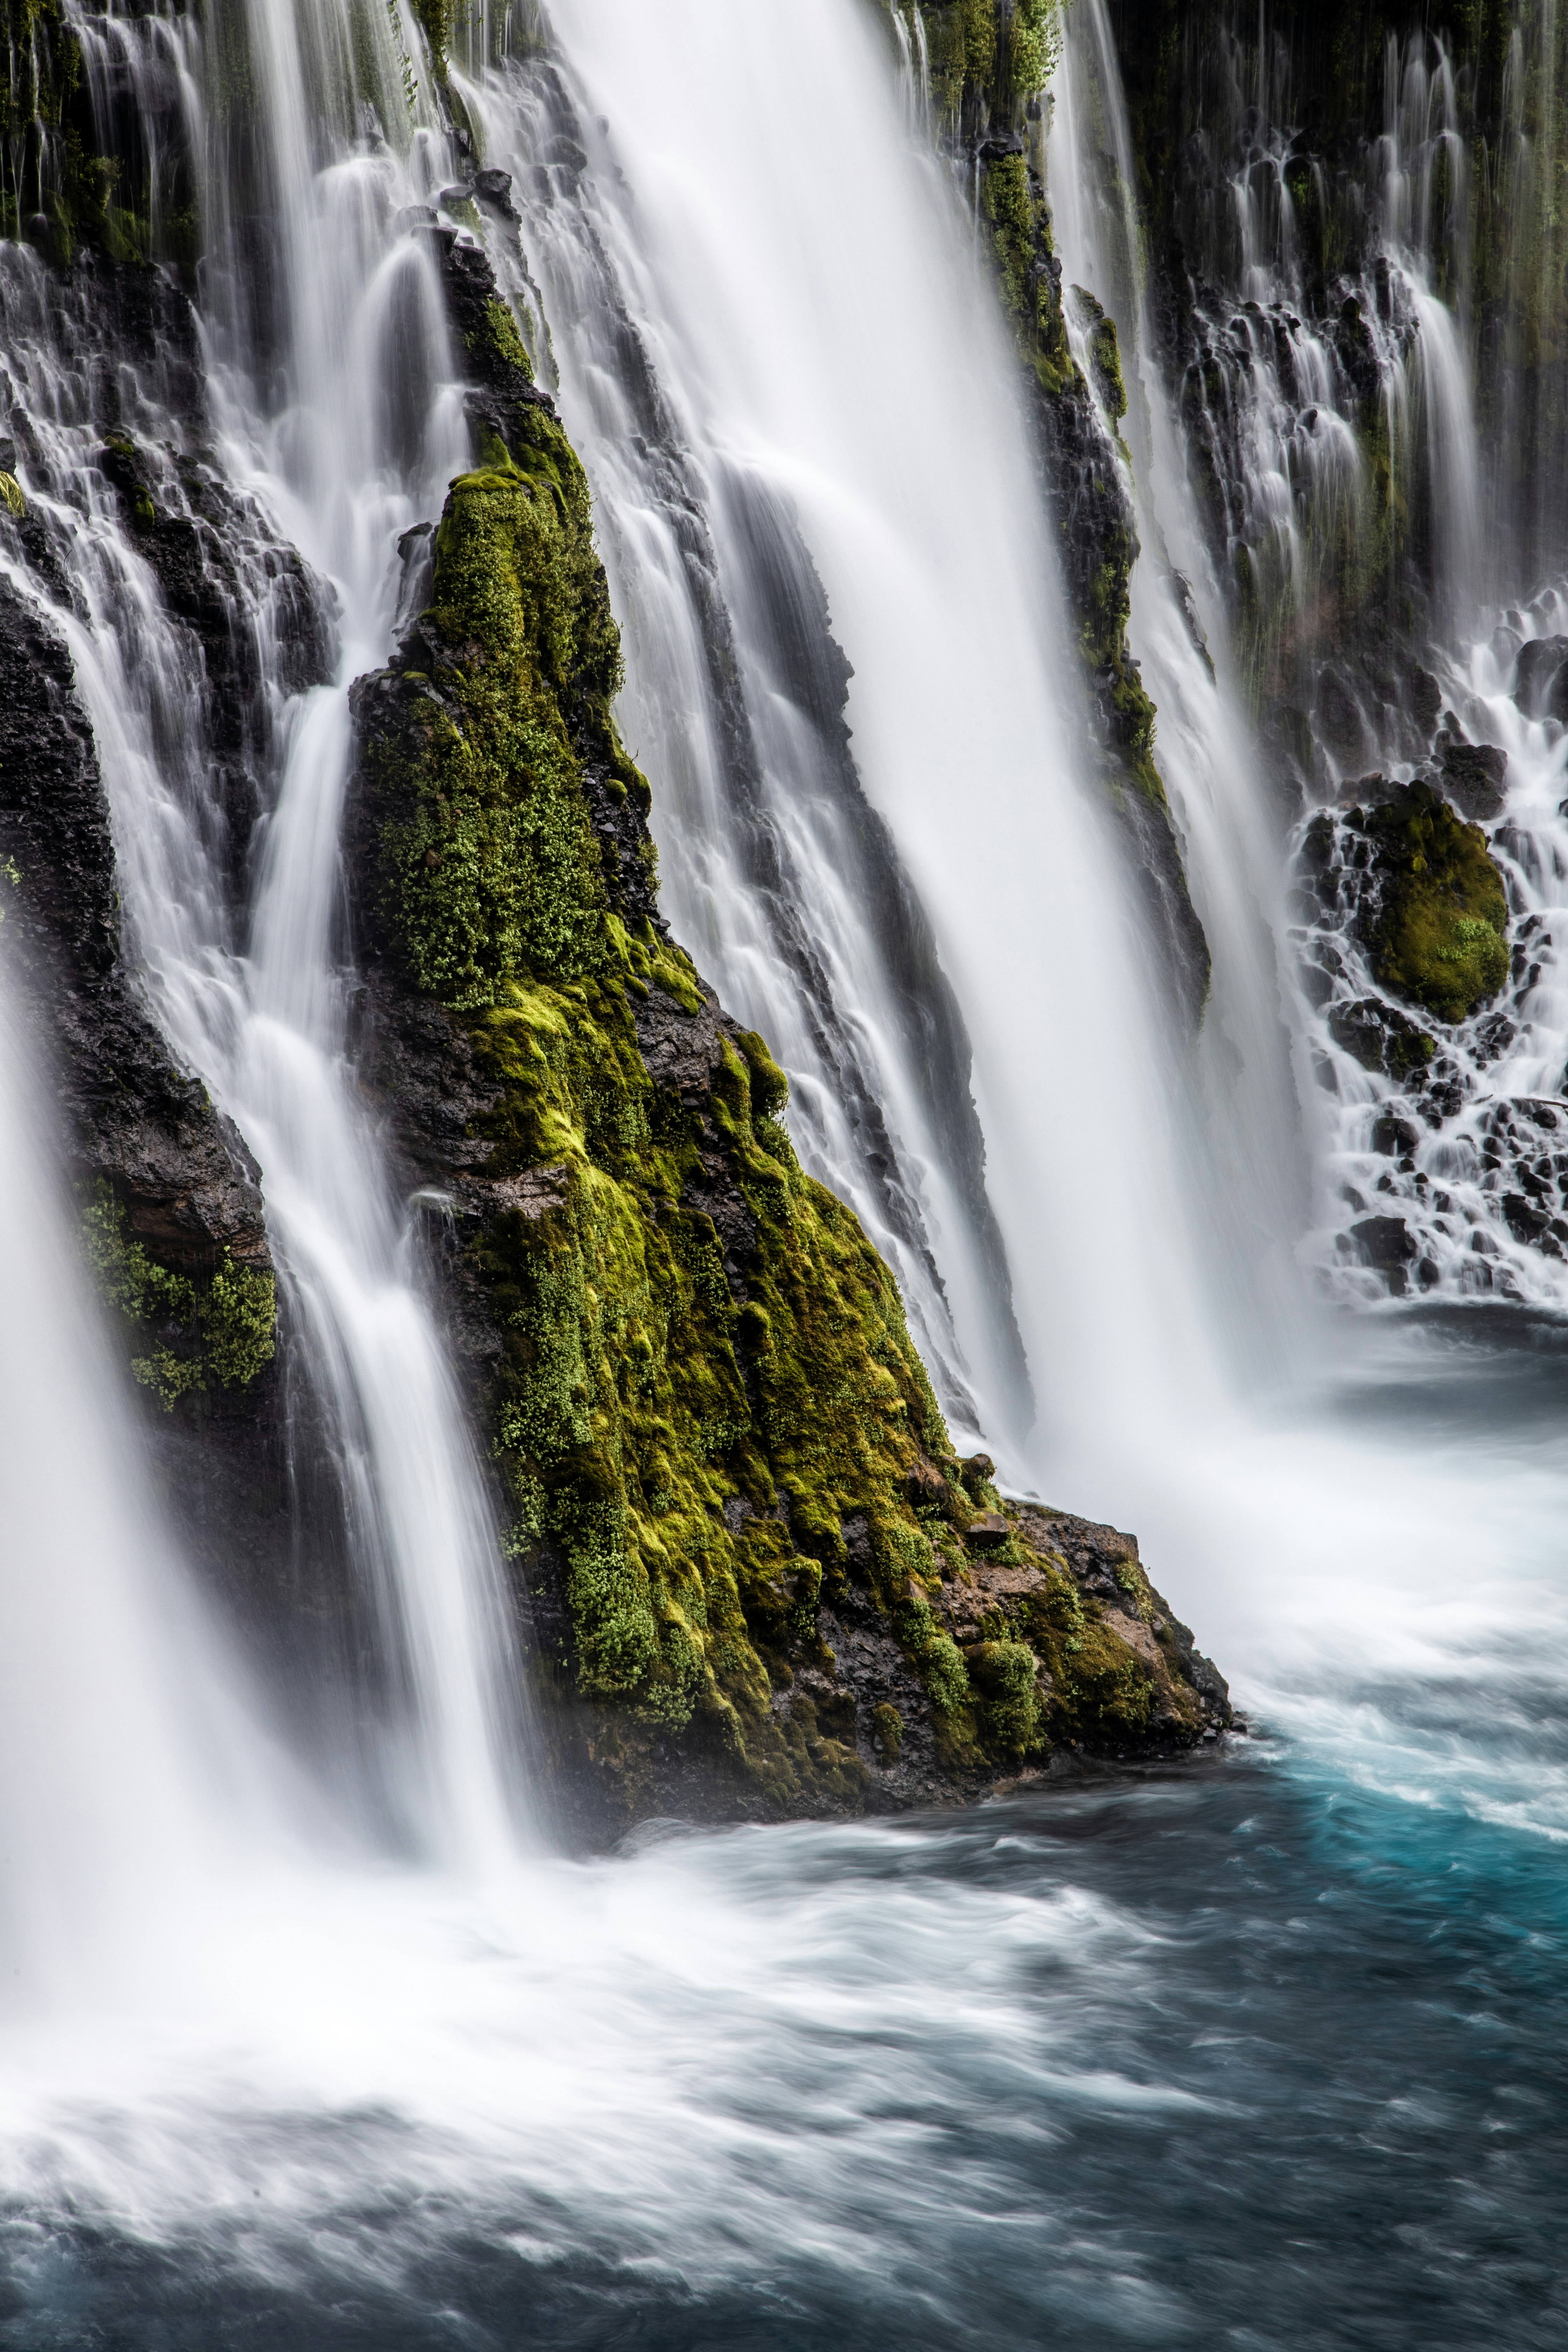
(761, 1579)
(1441, 935)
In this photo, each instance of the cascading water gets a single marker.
(105, 1743)
(1332, 427)
(673, 298)
(784, 880)
(1266, 2047)
(336, 432)
(1246, 1123)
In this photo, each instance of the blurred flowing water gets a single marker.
(1265, 2048)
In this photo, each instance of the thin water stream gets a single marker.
(1266, 2049)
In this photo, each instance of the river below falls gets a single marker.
(1268, 2048)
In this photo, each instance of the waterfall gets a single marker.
(124, 1744)
(819, 2083)
(333, 425)
(734, 377)
(785, 881)
(1319, 444)
(1244, 1138)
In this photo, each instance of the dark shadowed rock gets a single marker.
(1387, 1245)
(1540, 679)
(1473, 776)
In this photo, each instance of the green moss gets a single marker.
(1004, 1672)
(1034, 45)
(436, 23)
(238, 1321)
(11, 496)
(644, 1385)
(492, 869)
(1008, 205)
(1104, 357)
(179, 1330)
(889, 1730)
(937, 1658)
(1440, 939)
(506, 338)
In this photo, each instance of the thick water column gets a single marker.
(879, 401)
(117, 1727)
(785, 881)
(1246, 1162)
(340, 416)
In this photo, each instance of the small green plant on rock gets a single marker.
(179, 1329)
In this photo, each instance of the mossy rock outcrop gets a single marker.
(729, 1495)
(1440, 938)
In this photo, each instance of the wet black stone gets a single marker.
(1525, 1219)
(1381, 1037)
(1385, 1242)
(494, 188)
(1473, 775)
(1540, 679)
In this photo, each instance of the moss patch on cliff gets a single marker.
(179, 1331)
(1440, 936)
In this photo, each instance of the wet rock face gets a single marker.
(144, 1147)
(1387, 1245)
(1540, 679)
(184, 1179)
(1381, 1037)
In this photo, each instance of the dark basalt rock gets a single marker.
(1387, 1245)
(494, 188)
(1540, 679)
(1382, 1038)
(1394, 1137)
(1529, 1222)
(1473, 775)
(1384, 1241)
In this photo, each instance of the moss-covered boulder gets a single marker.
(728, 1489)
(1439, 936)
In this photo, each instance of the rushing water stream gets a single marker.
(1266, 2049)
